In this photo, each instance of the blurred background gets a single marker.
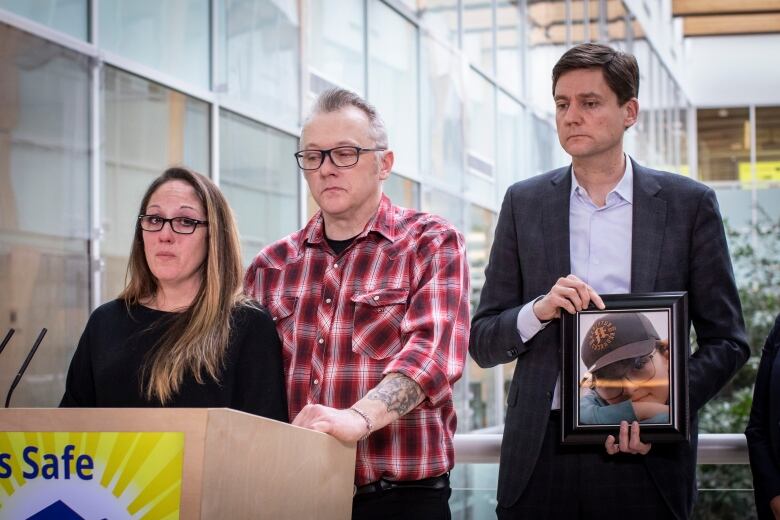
(98, 97)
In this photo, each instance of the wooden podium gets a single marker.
(233, 464)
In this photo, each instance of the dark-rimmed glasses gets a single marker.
(341, 156)
(180, 225)
(611, 386)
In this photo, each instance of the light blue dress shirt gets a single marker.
(599, 248)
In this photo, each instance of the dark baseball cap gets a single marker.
(617, 336)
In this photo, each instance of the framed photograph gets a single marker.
(628, 362)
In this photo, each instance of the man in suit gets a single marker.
(763, 429)
(602, 225)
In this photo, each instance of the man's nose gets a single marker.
(328, 167)
(573, 114)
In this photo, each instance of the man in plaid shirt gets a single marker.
(371, 303)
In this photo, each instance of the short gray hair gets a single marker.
(334, 99)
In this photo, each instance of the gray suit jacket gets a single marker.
(678, 244)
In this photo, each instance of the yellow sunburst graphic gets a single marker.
(133, 475)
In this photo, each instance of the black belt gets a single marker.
(440, 482)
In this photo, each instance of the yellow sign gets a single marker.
(80, 475)
(765, 171)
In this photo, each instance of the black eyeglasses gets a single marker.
(180, 225)
(638, 373)
(341, 156)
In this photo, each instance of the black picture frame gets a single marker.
(605, 338)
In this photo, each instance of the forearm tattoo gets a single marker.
(400, 394)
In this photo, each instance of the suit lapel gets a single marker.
(555, 221)
(649, 225)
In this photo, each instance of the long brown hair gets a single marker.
(196, 339)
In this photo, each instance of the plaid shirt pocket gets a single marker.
(377, 322)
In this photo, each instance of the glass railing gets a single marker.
(725, 484)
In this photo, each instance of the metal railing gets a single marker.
(714, 448)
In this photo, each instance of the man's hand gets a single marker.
(345, 425)
(394, 396)
(570, 294)
(774, 505)
(628, 442)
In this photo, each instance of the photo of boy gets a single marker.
(625, 367)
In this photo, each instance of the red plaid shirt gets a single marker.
(396, 300)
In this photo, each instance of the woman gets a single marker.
(763, 430)
(181, 333)
(629, 371)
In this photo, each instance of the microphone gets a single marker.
(24, 365)
(6, 339)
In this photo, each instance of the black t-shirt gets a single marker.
(339, 246)
(106, 367)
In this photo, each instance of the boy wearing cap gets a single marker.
(603, 225)
(629, 371)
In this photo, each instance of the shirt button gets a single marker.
(335, 266)
(328, 300)
(376, 298)
(274, 318)
(316, 381)
(320, 341)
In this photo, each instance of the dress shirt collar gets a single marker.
(624, 188)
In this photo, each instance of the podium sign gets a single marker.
(165, 463)
(75, 475)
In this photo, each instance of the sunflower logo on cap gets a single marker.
(602, 333)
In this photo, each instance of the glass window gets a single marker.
(441, 18)
(768, 144)
(478, 33)
(481, 123)
(723, 142)
(336, 45)
(172, 37)
(68, 16)
(510, 158)
(441, 114)
(543, 146)
(147, 128)
(444, 204)
(685, 168)
(482, 407)
(402, 192)
(617, 26)
(260, 179)
(259, 56)
(547, 39)
(584, 20)
(44, 210)
(508, 43)
(393, 82)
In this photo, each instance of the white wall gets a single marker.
(733, 70)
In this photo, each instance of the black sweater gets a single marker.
(106, 367)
